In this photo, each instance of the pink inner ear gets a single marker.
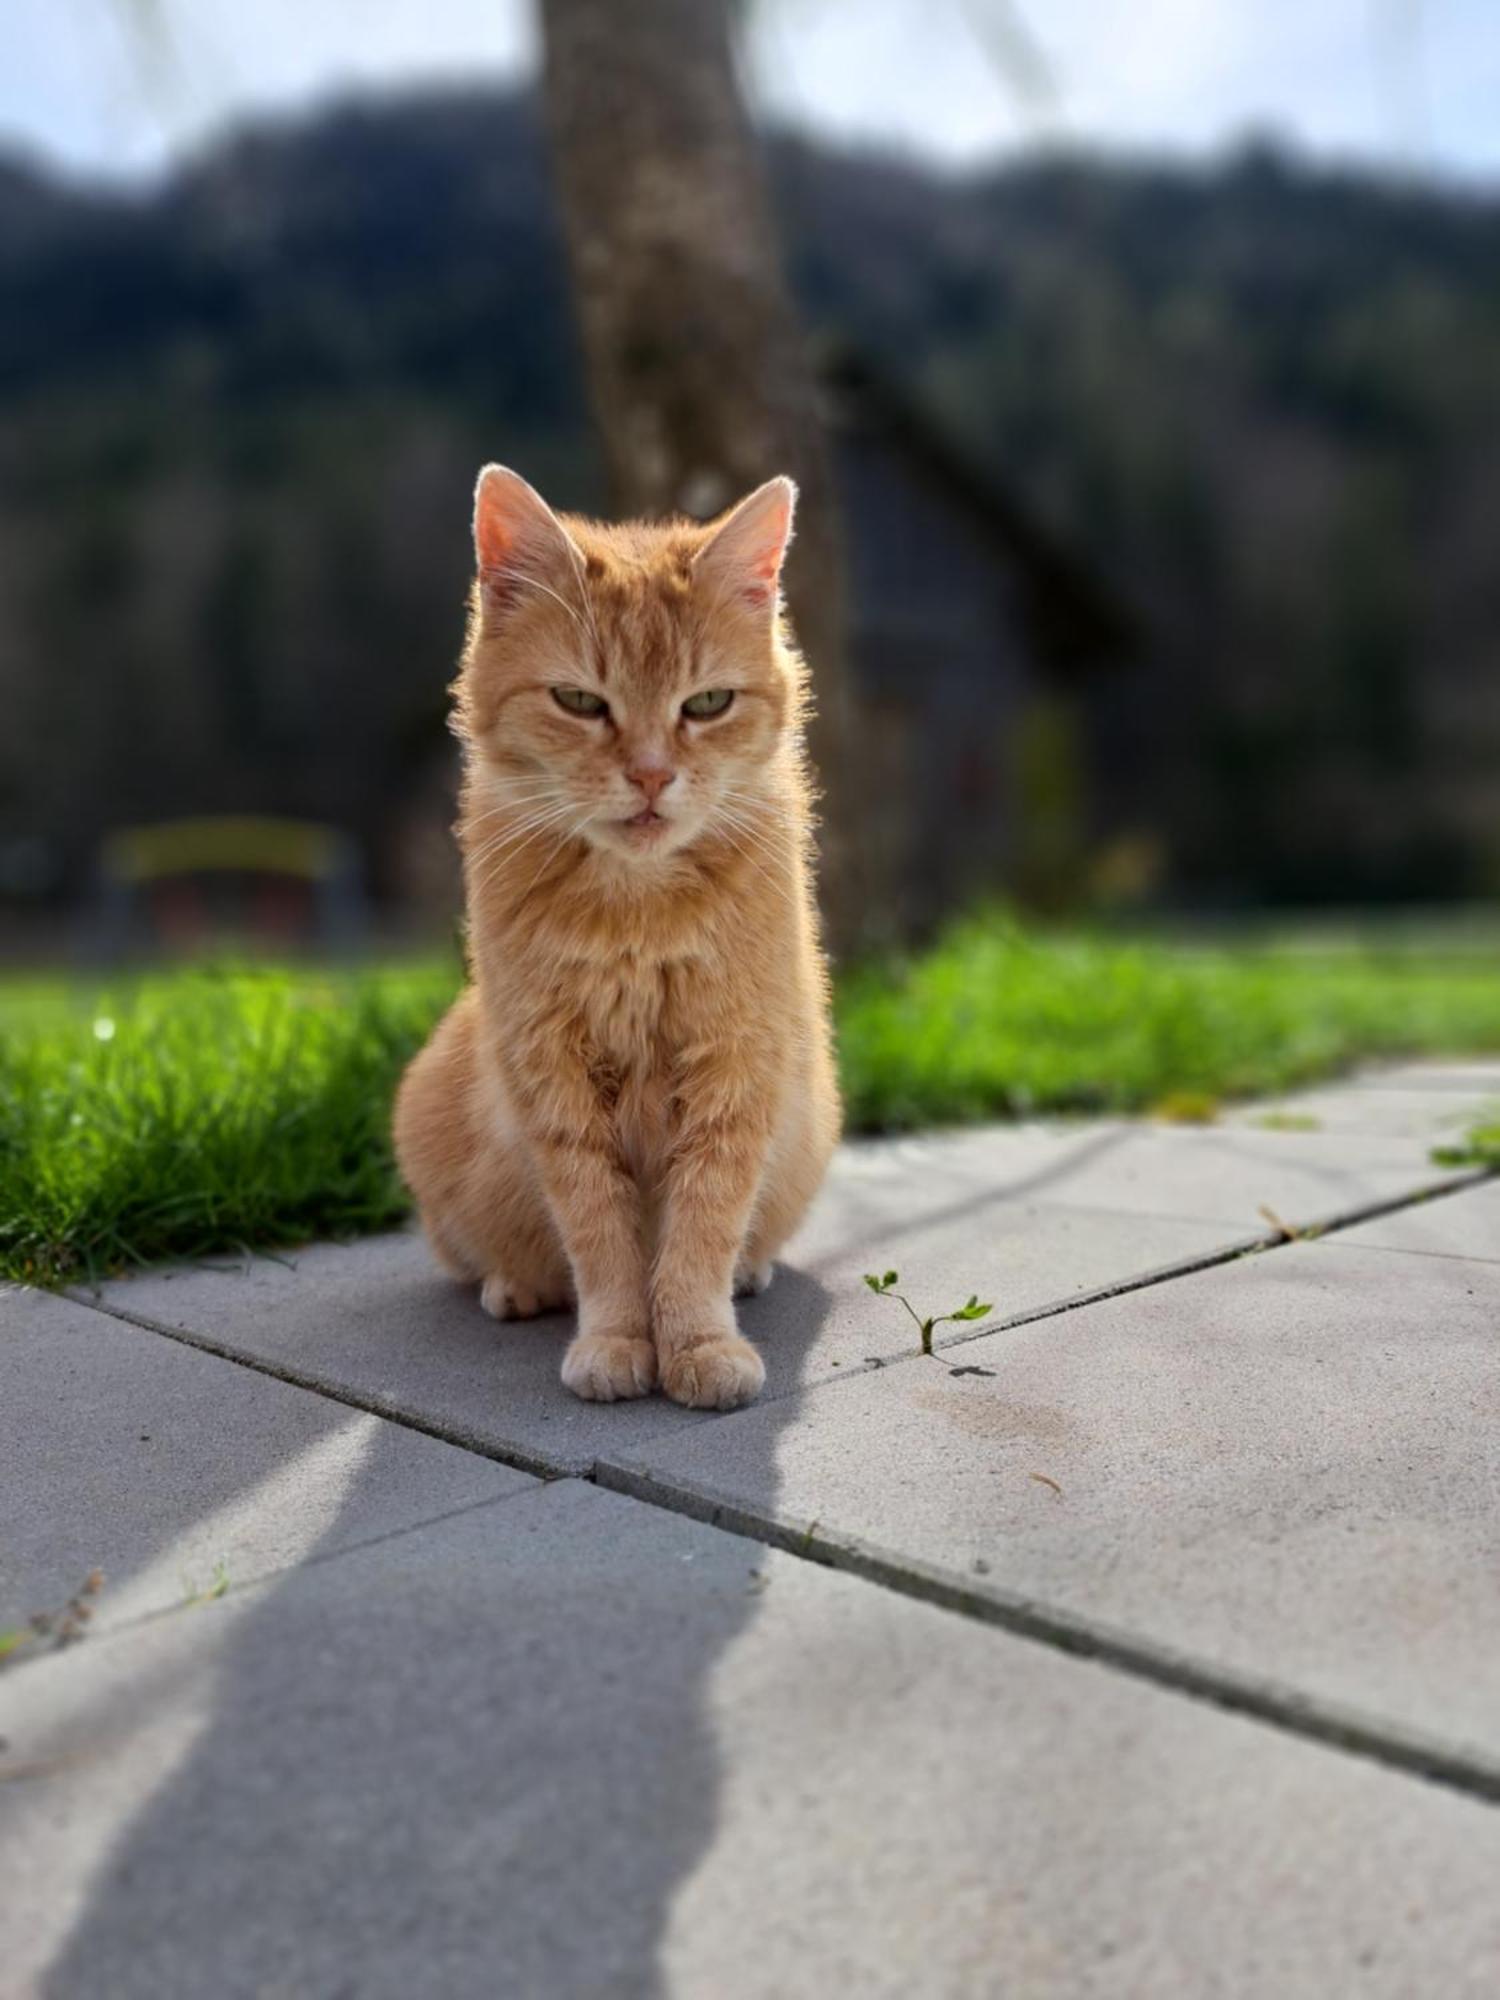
(763, 559)
(765, 570)
(497, 530)
(515, 534)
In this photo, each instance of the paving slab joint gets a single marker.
(1283, 1708)
(1208, 1260)
(518, 1458)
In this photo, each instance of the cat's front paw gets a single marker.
(717, 1374)
(608, 1368)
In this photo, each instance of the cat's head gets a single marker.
(627, 684)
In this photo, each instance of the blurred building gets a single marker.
(978, 640)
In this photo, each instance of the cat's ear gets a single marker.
(745, 553)
(518, 540)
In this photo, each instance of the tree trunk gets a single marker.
(699, 377)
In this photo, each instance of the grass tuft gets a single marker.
(201, 1112)
(1480, 1147)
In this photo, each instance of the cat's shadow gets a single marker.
(480, 1757)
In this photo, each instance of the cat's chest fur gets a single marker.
(624, 1011)
(634, 1031)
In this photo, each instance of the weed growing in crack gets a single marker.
(884, 1288)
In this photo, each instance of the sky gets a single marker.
(121, 87)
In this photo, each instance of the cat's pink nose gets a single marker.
(653, 779)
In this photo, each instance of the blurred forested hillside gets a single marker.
(240, 416)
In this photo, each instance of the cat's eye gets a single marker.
(711, 701)
(580, 701)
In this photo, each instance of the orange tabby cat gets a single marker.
(634, 1102)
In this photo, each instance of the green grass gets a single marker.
(199, 1112)
(189, 1113)
(997, 1021)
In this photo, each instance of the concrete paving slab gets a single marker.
(1283, 1469)
(377, 1320)
(170, 1470)
(889, 1200)
(1223, 1174)
(573, 1745)
(1021, 1257)
(1029, 1216)
(1435, 1117)
(1479, 1077)
(1465, 1224)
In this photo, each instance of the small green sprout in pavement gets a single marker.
(884, 1287)
(1481, 1147)
(216, 1587)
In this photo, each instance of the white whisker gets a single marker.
(520, 812)
(520, 799)
(535, 789)
(507, 852)
(775, 854)
(759, 835)
(746, 856)
(571, 833)
(760, 802)
(556, 809)
(513, 832)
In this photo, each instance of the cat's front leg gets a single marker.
(596, 1205)
(718, 1157)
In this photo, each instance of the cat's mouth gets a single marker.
(646, 825)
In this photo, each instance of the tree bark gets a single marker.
(698, 373)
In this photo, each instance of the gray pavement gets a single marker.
(574, 1745)
(175, 1473)
(1284, 1471)
(1467, 1229)
(792, 1699)
(1030, 1217)
(376, 1321)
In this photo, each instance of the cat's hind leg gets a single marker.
(504, 1298)
(794, 1172)
(484, 1215)
(750, 1280)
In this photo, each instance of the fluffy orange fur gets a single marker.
(634, 1101)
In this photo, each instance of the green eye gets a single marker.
(712, 701)
(580, 701)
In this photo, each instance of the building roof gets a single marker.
(1075, 618)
